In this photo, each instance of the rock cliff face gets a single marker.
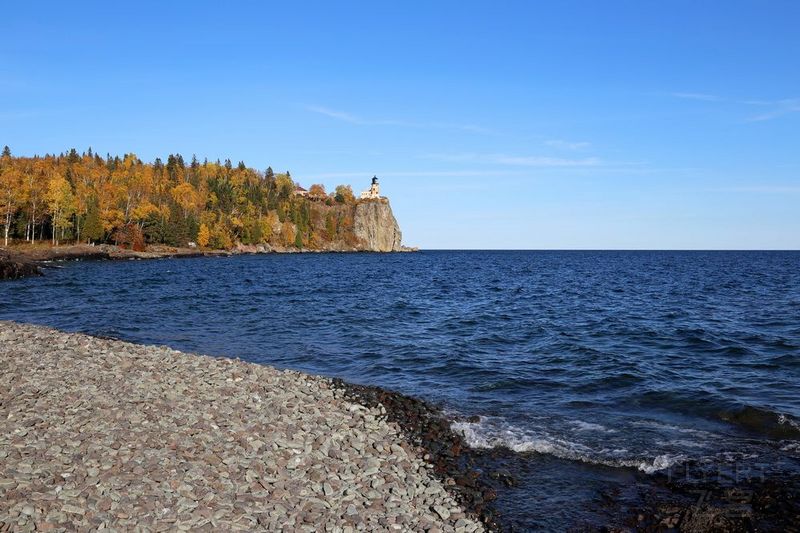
(375, 226)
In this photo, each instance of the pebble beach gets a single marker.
(100, 434)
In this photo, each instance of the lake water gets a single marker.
(594, 366)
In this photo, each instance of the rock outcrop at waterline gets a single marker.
(11, 268)
(375, 227)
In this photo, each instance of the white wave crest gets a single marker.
(785, 420)
(580, 425)
(487, 434)
(790, 446)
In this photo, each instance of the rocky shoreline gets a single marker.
(28, 261)
(99, 433)
(12, 267)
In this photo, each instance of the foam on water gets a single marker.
(492, 433)
(580, 425)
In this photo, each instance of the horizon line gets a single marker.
(608, 249)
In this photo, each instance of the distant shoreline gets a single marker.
(21, 261)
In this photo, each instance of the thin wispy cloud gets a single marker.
(338, 115)
(784, 107)
(763, 189)
(362, 175)
(354, 119)
(775, 108)
(516, 160)
(561, 144)
(696, 96)
(537, 161)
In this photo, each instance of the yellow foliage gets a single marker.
(61, 202)
(220, 238)
(144, 210)
(203, 236)
(186, 196)
(288, 234)
(228, 204)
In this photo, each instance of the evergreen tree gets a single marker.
(92, 227)
(172, 167)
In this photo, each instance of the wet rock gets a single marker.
(15, 268)
(446, 458)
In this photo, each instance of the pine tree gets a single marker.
(92, 227)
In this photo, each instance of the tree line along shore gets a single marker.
(86, 198)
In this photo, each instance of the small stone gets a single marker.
(67, 508)
(442, 511)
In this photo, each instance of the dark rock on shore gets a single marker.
(40, 255)
(13, 268)
(650, 503)
(755, 504)
(466, 473)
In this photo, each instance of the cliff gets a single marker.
(375, 227)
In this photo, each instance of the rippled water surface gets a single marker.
(622, 361)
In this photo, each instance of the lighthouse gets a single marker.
(374, 191)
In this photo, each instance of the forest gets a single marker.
(86, 198)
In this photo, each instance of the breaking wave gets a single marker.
(489, 433)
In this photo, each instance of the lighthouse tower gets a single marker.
(374, 191)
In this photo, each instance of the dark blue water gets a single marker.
(591, 363)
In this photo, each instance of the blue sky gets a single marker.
(636, 124)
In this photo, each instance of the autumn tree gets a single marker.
(288, 234)
(61, 204)
(186, 197)
(284, 186)
(317, 190)
(344, 194)
(203, 236)
(35, 183)
(10, 191)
